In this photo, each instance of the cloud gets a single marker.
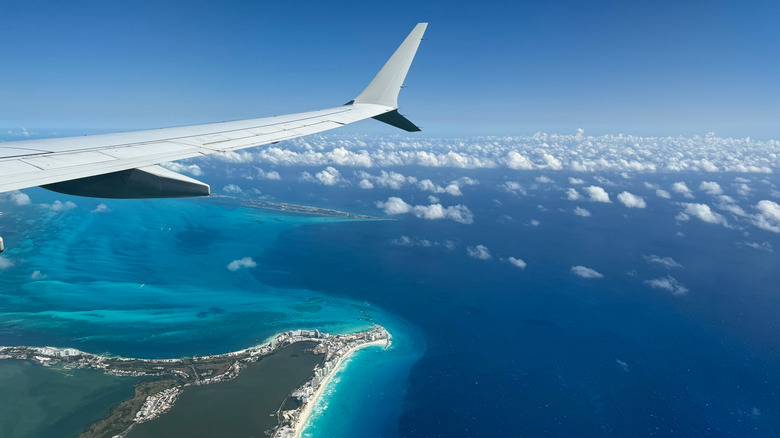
(38, 275)
(597, 194)
(393, 180)
(235, 157)
(666, 262)
(192, 169)
(584, 272)
(19, 198)
(457, 213)
(328, 176)
(703, 212)
(765, 246)
(543, 179)
(270, 175)
(453, 188)
(668, 283)
(232, 189)
(576, 181)
(427, 185)
(517, 262)
(601, 180)
(5, 263)
(711, 188)
(541, 151)
(768, 217)
(743, 189)
(59, 206)
(246, 262)
(479, 252)
(424, 243)
(517, 161)
(365, 184)
(394, 205)
(572, 194)
(631, 200)
(663, 194)
(466, 181)
(101, 208)
(579, 211)
(681, 188)
(513, 187)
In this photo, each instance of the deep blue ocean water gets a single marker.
(481, 347)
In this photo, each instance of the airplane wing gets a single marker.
(124, 165)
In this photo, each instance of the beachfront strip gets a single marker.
(203, 370)
(290, 423)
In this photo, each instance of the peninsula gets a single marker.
(166, 379)
(296, 208)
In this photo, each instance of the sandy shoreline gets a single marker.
(299, 424)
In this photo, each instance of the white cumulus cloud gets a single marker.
(269, 175)
(59, 206)
(703, 212)
(579, 211)
(681, 188)
(192, 169)
(458, 213)
(666, 262)
(597, 194)
(232, 189)
(517, 262)
(101, 208)
(328, 176)
(631, 200)
(19, 198)
(768, 217)
(711, 188)
(479, 252)
(246, 262)
(668, 283)
(394, 205)
(584, 272)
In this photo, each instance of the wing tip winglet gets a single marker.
(384, 88)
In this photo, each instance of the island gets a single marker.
(295, 208)
(166, 379)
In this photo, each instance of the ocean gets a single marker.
(481, 346)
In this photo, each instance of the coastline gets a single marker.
(173, 375)
(306, 410)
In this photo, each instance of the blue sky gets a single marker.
(502, 68)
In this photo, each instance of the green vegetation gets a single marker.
(122, 416)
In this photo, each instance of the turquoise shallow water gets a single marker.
(151, 279)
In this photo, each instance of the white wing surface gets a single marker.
(123, 165)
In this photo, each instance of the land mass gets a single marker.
(166, 379)
(297, 209)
